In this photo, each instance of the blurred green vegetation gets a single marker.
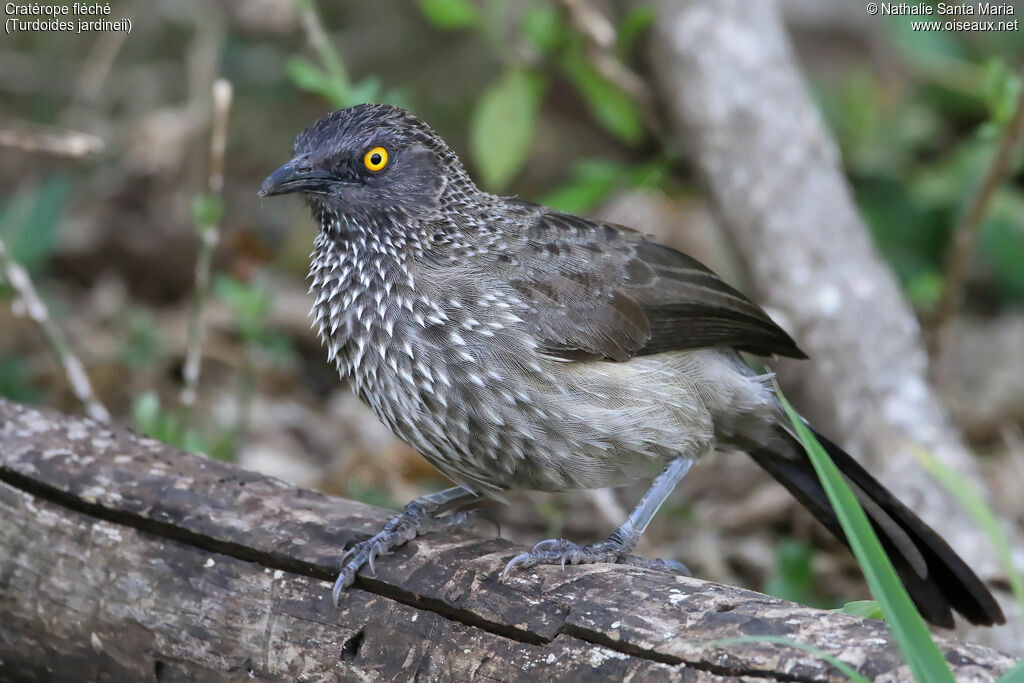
(794, 576)
(261, 346)
(869, 609)
(14, 380)
(916, 145)
(168, 424)
(30, 221)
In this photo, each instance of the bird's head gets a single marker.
(369, 162)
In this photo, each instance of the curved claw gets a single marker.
(349, 554)
(371, 554)
(340, 584)
(520, 559)
(548, 553)
(415, 520)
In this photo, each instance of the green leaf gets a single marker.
(305, 74)
(924, 288)
(793, 576)
(972, 501)
(193, 442)
(30, 222)
(612, 108)
(371, 495)
(336, 89)
(140, 343)
(908, 628)
(14, 380)
(1014, 675)
(502, 127)
(869, 609)
(592, 181)
(224, 447)
(146, 412)
(544, 26)
(366, 90)
(207, 210)
(450, 14)
(1001, 244)
(633, 25)
(1000, 90)
(308, 77)
(250, 302)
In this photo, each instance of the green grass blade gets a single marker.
(1014, 675)
(842, 666)
(907, 626)
(971, 501)
(869, 609)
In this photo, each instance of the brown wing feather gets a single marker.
(602, 291)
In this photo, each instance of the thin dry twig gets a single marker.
(318, 40)
(600, 34)
(18, 278)
(38, 138)
(966, 235)
(209, 234)
(219, 136)
(98, 64)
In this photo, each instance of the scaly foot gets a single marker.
(414, 520)
(561, 551)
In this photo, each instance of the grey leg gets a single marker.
(618, 546)
(421, 516)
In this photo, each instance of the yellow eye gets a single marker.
(376, 159)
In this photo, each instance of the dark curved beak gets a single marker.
(296, 176)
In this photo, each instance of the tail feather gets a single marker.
(937, 580)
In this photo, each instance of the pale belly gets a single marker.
(571, 425)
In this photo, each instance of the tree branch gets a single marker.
(966, 235)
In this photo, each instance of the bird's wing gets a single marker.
(598, 290)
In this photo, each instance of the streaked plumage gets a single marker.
(518, 347)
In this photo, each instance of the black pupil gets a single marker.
(375, 158)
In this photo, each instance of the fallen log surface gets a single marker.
(126, 559)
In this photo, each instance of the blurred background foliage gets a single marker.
(916, 144)
(541, 101)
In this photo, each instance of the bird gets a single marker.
(515, 347)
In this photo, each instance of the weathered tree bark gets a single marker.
(731, 87)
(125, 559)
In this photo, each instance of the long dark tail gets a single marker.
(937, 580)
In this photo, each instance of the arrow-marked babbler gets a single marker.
(518, 347)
